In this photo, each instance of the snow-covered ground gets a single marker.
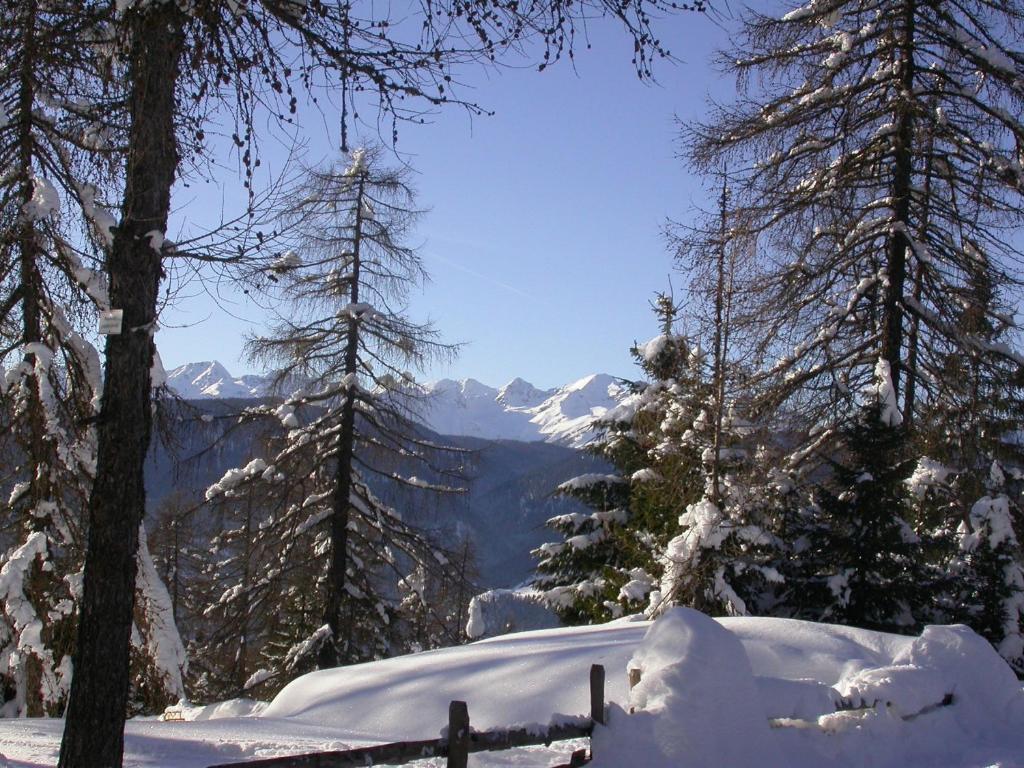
(713, 694)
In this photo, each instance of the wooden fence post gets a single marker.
(458, 735)
(597, 693)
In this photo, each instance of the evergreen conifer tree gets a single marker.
(968, 484)
(607, 564)
(857, 560)
(989, 594)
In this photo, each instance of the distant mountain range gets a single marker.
(210, 380)
(523, 444)
(516, 411)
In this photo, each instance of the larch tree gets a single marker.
(58, 148)
(50, 371)
(876, 155)
(345, 335)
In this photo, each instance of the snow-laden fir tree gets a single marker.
(967, 486)
(607, 562)
(856, 559)
(316, 553)
(727, 555)
(55, 148)
(724, 556)
(988, 589)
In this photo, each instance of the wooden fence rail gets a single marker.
(459, 742)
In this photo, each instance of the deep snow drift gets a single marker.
(729, 692)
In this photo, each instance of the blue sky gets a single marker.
(544, 234)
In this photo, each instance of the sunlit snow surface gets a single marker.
(708, 690)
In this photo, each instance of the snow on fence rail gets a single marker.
(844, 705)
(458, 742)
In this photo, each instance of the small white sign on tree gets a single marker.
(111, 321)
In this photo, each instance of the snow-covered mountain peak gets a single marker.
(474, 388)
(568, 416)
(521, 411)
(210, 379)
(205, 371)
(595, 384)
(460, 391)
(519, 393)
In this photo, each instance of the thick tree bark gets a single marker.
(328, 654)
(94, 730)
(31, 282)
(903, 169)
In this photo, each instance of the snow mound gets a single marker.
(526, 677)
(696, 695)
(985, 691)
(726, 692)
(222, 709)
(775, 692)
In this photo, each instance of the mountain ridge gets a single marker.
(467, 407)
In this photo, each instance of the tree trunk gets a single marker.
(719, 363)
(903, 169)
(94, 730)
(37, 446)
(328, 655)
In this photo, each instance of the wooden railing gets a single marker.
(459, 741)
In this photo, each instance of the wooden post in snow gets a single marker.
(458, 735)
(597, 693)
